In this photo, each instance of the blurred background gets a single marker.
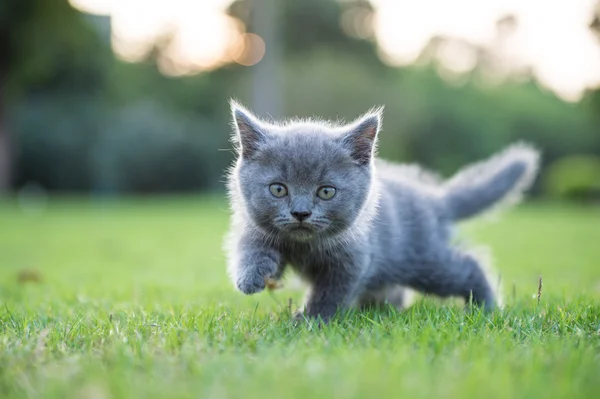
(121, 97)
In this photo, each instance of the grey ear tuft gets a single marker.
(250, 132)
(362, 136)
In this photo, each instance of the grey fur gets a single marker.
(387, 227)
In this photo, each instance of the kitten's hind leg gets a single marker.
(394, 295)
(455, 274)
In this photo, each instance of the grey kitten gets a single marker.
(312, 195)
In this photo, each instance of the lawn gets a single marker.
(131, 299)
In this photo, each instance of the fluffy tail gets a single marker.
(500, 179)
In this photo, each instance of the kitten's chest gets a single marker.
(313, 262)
(307, 260)
(300, 257)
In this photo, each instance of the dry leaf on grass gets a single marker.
(272, 284)
(29, 276)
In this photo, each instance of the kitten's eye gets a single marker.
(278, 190)
(326, 193)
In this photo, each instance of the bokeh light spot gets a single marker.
(251, 50)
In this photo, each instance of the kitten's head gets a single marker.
(304, 180)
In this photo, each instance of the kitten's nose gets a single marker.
(301, 215)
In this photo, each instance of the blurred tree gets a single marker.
(267, 96)
(594, 95)
(45, 45)
(595, 20)
(294, 29)
(340, 27)
(301, 32)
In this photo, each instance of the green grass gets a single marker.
(135, 302)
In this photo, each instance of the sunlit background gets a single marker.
(88, 80)
(550, 38)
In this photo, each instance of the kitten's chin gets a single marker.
(301, 233)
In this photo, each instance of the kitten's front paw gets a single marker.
(256, 276)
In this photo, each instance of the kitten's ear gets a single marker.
(361, 136)
(250, 133)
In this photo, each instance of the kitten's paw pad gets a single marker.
(256, 279)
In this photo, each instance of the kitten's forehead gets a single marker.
(305, 153)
